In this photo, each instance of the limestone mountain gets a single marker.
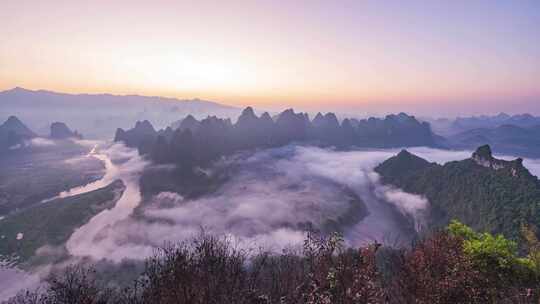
(60, 130)
(142, 136)
(12, 133)
(13, 124)
(486, 193)
(194, 142)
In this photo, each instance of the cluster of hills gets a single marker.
(195, 142)
(486, 193)
(14, 133)
(99, 115)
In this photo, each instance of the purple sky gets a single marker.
(429, 57)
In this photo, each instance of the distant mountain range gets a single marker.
(196, 142)
(98, 115)
(506, 134)
(485, 121)
(484, 192)
(506, 139)
(449, 127)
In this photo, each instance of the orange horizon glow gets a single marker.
(271, 54)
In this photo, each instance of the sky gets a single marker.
(429, 57)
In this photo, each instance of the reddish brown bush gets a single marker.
(210, 270)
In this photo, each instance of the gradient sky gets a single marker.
(436, 57)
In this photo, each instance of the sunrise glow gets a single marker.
(362, 55)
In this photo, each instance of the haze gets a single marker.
(439, 57)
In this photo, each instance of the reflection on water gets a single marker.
(110, 172)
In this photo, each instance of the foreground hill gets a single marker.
(199, 142)
(484, 192)
(98, 115)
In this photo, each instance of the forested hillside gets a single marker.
(486, 193)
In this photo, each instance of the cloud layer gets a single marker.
(270, 195)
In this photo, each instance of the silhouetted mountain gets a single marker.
(290, 127)
(327, 129)
(13, 132)
(486, 193)
(60, 130)
(13, 124)
(508, 139)
(187, 123)
(399, 130)
(251, 131)
(199, 142)
(98, 115)
(142, 136)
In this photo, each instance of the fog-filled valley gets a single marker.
(269, 152)
(264, 183)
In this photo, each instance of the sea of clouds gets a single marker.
(270, 192)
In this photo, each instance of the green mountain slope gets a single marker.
(483, 192)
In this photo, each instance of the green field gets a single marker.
(52, 223)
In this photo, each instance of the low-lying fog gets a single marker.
(269, 194)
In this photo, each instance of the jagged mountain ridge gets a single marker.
(486, 193)
(197, 142)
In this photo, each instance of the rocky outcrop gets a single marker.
(483, 157)
(486, 193)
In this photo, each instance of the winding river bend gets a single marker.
(110, 172)
(121, 163)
